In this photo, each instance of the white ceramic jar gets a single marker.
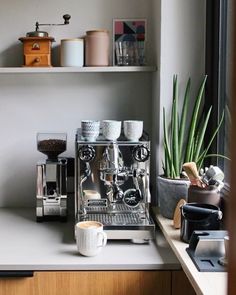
(72, 53)
(97, 45)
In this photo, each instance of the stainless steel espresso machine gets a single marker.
(116, 175)
(51, 192)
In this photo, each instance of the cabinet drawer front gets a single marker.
(37, 60)
(103, 283)
(146, 282)
(36, 47)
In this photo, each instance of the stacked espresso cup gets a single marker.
(111, 129)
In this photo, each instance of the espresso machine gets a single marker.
(51, 191)
(117, 172)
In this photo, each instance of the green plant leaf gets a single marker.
(175, 120)
(175, 149)
(204, 153)
(193, 123)
(183, 122)
(166, 147)
(199, 142)
(169, 168)
(217, 155)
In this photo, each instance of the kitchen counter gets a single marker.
(204, 283)
(28, 245)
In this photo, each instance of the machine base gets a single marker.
(51, 218)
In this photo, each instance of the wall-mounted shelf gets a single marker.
(110, 69)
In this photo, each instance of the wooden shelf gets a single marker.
(110, 69)
(204, 283)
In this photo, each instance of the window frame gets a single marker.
(216, 49)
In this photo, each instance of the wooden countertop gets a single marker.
(207, 283)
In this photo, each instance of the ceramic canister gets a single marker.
(72, 52)
(97, 48)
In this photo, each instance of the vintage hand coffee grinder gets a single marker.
(37, 45)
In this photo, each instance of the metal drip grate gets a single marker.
(116, 219)
(96, 209)
(118, 208)
(122, 207)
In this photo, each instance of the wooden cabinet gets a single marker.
(98, 283)
(180, 284)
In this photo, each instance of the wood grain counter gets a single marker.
(207, 283)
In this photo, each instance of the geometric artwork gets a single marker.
(129, 30)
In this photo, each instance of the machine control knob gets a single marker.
(63, 161)
(141, 153)
(86, 153)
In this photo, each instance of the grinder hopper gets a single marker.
(51, 144)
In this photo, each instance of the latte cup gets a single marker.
(133, 129)
(90, 237)
(111, 129)
(90, 129)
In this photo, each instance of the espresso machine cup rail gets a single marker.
(119, 172)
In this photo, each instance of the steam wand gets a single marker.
(87, 173)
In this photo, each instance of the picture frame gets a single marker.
(125, 29)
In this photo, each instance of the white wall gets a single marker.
(180, 49)
(57, 102)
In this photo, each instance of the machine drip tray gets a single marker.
(206, 249)
(124, 225)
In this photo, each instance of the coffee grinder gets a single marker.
(51, 192)
(37, 45)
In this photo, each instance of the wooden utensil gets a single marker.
(191, 169)
(177, 214)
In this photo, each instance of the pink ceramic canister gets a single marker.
(97, 46)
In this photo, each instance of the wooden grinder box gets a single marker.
(37, 51)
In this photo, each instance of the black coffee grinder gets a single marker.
(51, 192)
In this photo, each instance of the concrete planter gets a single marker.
(170, 191)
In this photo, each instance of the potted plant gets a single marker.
(184, 141)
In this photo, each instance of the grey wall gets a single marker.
(57, 102)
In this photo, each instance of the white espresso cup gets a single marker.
(90, 129)
(90, 237)
(111, 129)
(133, 129)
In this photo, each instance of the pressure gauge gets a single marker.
(132, 197)
(141, 153)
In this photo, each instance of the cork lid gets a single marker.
(73, 39)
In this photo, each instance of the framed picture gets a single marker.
(132, 31)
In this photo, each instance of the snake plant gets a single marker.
(184, 136)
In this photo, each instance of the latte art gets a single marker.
(89, 224)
